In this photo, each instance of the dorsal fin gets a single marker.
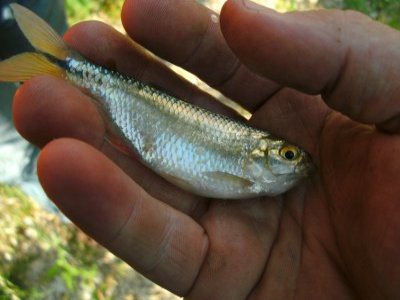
(41, 36)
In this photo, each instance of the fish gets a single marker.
(197, 150)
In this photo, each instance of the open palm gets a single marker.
(335, 236)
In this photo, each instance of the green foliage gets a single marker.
(78, 10)
(386, 11)
(9, 290)
(43, 258)
(72, 273)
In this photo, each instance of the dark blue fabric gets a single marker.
(31, 4)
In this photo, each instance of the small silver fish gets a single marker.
(195, 149)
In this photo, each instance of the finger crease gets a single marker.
(133, 211)
(268, 96)
(163, 248)
(321, 132)
(229, 75)
(330, 88)
(199, 44)
(199, 207)
(206, 256)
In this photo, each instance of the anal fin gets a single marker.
(238, 181)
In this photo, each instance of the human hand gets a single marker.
(336, 236)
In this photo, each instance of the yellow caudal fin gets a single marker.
(24, 66)
(39, 33)
(42, 37)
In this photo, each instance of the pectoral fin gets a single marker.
(224, 177)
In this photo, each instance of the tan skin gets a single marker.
(335, 236)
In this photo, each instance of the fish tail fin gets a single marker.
(41, 36)
(51, 48)
(25, 66)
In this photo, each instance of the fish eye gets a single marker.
(289, 152)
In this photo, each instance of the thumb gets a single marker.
(351, 60)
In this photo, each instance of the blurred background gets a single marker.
(42, 255)
(387, 11)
